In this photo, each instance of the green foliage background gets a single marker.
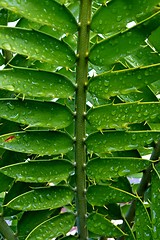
(79, 111)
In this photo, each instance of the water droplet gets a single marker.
(106, 83)
(148, 141)
(15, 117)
(103, 227)
(6, 46)
(119, 18)
(10, 106)
(113, 113)
(38, 237)
(145, 113)
(24, 51)
(139, 77)
(36, 50)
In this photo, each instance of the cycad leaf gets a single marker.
(53, 227)
(122, 44)
(142, 219)
(109, 141)
(130, 80)
(100, 195)
(53, 171)
(142, 57)
(36, 83)
(154, 39)
(36, 45)
(116, 14)
(114, 48)
(37, 142)
(155, 202)
(31, 219)
(36, 113)
(43, 198)
(120, 115)
(98, 224)
(45, 12)
(106, 168)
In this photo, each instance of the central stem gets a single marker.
(80, 132)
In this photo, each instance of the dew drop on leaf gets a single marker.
(119, 18)
(10, 106)
(6, 46)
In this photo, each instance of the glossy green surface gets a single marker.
(37, 142)
(44, 12)
(121, 115)
(36, 45)
(36, 83)
(113, 167)
(51, 171)
(142, 218)
(36, 114)
(130, 80)
(110, 141)
(115, 48)
(101, 195)
(42, 198)
(53, 227)
(115, 15)
(31, 219)
(100, 225)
